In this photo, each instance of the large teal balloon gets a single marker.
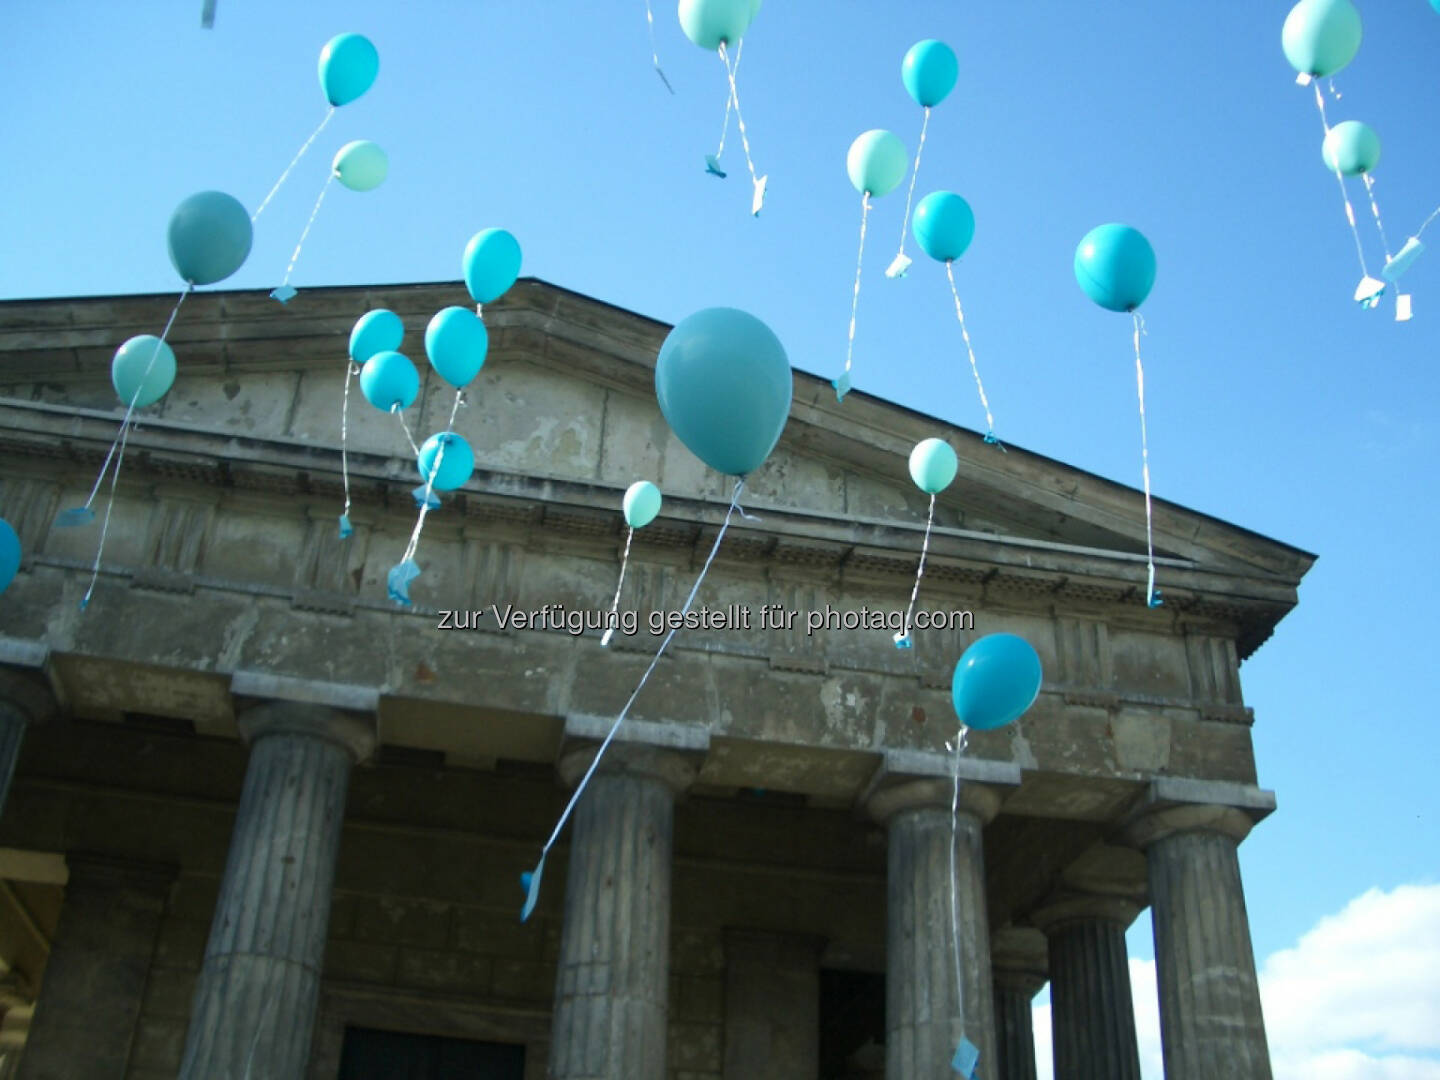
(9, 554)
(376, 331)
(876, 162)
(491, 264)
(929, 71)
(456, 342)
(456, 464)
(209, 237)
(996, 680)
(641, 504)
(348, 66)
(943, 225)
(710, 23)
(389, 379)
(1350, 148)
(1115, 266)
(933, 465)
(143, 370)
(724, 386)
(361, 165)
(1321, 36)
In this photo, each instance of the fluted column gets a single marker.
(613, 985)
(24, 700)
(923, 1011)
(1018, 961)
(1211, 1023)
(1092, 1012)
(255, 1002)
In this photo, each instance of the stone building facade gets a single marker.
(264, 823)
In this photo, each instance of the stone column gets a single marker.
(258, 991)
(1211, 1022)
(1092, 1013)
(922, 1014)
(1018, 961)
(24, 700)
(95, 976)
(613, 987)
(772, 1006)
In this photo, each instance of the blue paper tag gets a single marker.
(285, 293)
(433, 500)
(712, 166)
(967, 1056)
(903, 640)
(397, 582)
(346, 531)
(74, 517)
(530, 882)
(841, 385)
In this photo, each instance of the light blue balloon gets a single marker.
(724, 385)
(933, 465)
(943, 225)
(996, 680)
(348, 66)
(361, 165)
(491, 264)
(1321, 36)
(709, 23)
(456, 464)
(209, 237)
(376, 331)
(641, 504)
(1436, 5)
(388, 379)
(1115, 265)
(929, 71)
(876, 162)
(9, 554)
(1351, 148)
(142, 371)
(456, 342)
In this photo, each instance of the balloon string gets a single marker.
(855, 296)
(350, 371)
(919, 572)
(725, 127)
(1433, 215)
(1375, 209)
(654, 53)
(615, 604)
(1151, 596)
(430, 475)
(580, 788)
(914, 175)
(739, 118)
(400, 414)
(1344, 195)
(970, 349)
(295, 256)
(289, 168)
(962, 736)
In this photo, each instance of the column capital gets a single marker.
(670, 753)
(353, 732)
(1175, 804)
(1065, 907)
(25, 695)
(1019, 959)
(918, 780)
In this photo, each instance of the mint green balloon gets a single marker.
(933, 465)
(712, 23)
(1321, 36)
(1351, 148)
(642, 503)
(361, 165)
(877, 162)
(143, 370)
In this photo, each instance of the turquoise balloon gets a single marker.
(724, 386)
(388, 379)
(642, 503)
(1351, 148)
(943, 225)
(929, 71)
(876, 162)
(375, 331)
(711, 23)
(1436, 5)
(9, 555)
(143, 370)
(348, 66)
(209, 237)
(455, 465)
(361, 165)
(491, 264)
(1115, 266)
(996, 680)
(1321, 36)
(933, 465)
(456, 342)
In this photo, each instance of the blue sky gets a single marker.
(1274, 401)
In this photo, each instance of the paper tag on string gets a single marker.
(967, 1056)
(1402, 308)
(1369, 292)
(712, 166)
(530, 882)
(899, 266)
(759, 199)
(1303, 80)
(1403, 260)
(285, 293)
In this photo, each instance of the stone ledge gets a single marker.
(265, 686)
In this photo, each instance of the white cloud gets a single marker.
(1356, 998)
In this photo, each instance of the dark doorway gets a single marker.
(852, 1025)
(369, 1054)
